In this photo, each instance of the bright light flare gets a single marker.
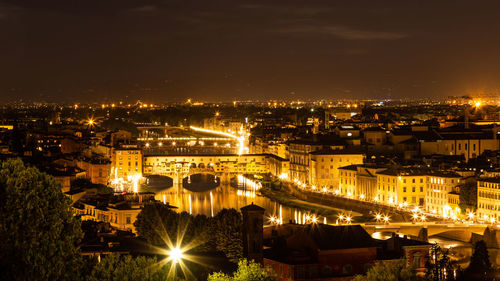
(175, 254)
(387, 219)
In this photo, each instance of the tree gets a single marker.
(115, 267)
(389, 271)
(247, 271)
(468, 196)
(228, 236)
(38, 232)
(439, 265)
(480, 265)
(158, 224)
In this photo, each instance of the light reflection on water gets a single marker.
(209, 203)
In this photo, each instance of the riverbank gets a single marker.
(290, 201)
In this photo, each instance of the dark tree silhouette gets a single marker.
(38, 232)
(480, 266)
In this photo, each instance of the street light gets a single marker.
(175, 254)
(471, 215)
(348, 220)
(386, 219)
(415, 216)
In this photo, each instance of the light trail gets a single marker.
(240, 139)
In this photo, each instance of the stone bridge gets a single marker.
(207, 170)
(422, 231)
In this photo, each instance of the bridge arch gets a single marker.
(200, 182)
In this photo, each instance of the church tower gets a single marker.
(253, 223)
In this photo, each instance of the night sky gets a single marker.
(160, 51)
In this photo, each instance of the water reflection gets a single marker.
(209, 203)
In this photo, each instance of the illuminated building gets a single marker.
(488, 198)
(439, 186)
(299, 152)
(402, 185)
(359, 180)
(325, 163)
(126, 161)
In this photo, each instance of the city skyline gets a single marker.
(223, 50)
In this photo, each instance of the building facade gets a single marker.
(488, 198)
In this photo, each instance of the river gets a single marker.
(210, 202)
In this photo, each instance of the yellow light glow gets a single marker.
(175, 254)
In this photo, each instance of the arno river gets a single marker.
(210, 202)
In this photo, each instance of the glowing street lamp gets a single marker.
(378, 217)
(386, 219)
(471, 215)
(175, 254)
(348, 219)
(415, 216)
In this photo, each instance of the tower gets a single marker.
(253, 223)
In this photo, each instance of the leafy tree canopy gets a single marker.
(127, 268)
(158, 224)
(247, 271)
(38, 232)
(480, 266)
(389, 271)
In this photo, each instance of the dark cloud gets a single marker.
(345, 32)
(225, 49)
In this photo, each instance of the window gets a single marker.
(421, 180)
(421, 189)
(412, 189)
(413, 180)
(404, 188)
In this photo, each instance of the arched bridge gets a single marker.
(421, 231)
